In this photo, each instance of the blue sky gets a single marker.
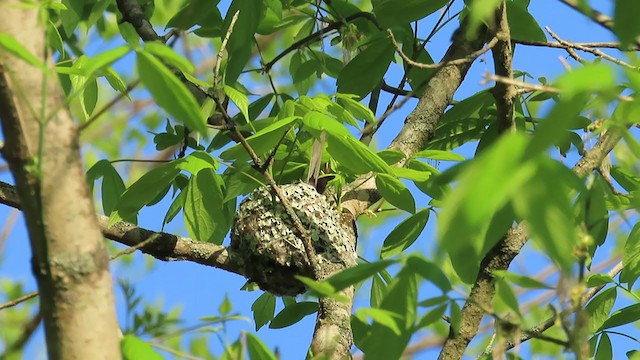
(199, 290)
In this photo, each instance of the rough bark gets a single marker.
(70, 262)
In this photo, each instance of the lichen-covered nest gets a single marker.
(270, 246)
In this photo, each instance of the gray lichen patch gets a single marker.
(272, 251)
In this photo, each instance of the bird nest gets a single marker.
(271, 248)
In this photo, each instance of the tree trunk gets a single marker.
(70, 262)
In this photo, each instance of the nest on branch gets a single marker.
(271, 247)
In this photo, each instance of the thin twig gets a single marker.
(520, 84)
(223, 46)
(132, 249)
(569, 45)
(465, 60)
(19, 300)
(557, 45)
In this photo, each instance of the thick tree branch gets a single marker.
(166, 247)
(503, 93)
(503, 253)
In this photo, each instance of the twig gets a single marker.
(520, 84)
(132, 249)
(216, 70)
(465, 60)
(19, 300)
(557, 45)
(569, 45)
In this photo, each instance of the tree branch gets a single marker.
(503, 253)
(166, 247)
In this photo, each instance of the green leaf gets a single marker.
(251, 11)
(505, 294)
(112, 184)
(455, 318)
(392, 13)
(226, 306)
(169, 56)
(133, 349)
(144, 191)
(262, 141)
(604, 350)
(103, 60)
(365, 71)
(356, 274)
(438, 155)
(240, 100)
(480, 12)
(521, 280)
(204, 210)
(485, 185)
(293, 313)
(429, 271)
(411, 174)
(357, 109)
(522, 25)
(385, 318)
(196, 12)
(391, 156)
(432, 316)
(594, 280)
(197, 161)
(547, 208)
(354, 156)
(169, 92)
(257, 349)
(550, 131)
(588, 79)
(401, 299)
(599, 307)
(626, 24)
(628, 180)
(263, 309)
(175, 207)
(11, 45)
(378, 290)
(395, 192)
(405, 234)
(627, 315)
(417, 78)
(631, 257)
